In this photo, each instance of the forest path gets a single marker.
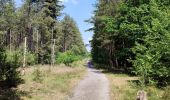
(95, 86)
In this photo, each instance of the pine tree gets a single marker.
(103, 46)
(71, 38)
(152, 55)
(136, 35)
(7, 17)
(37, 21)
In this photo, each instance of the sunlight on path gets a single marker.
(95, 86)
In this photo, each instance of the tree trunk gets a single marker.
(141, 95)
(30, 39)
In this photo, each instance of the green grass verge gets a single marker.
(124, 87)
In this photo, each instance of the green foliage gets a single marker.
(134, 36)
(2, 64)
(152, 55)
(37, 20)
(31, 58)
(10, 76)
(103, 45)
(10, 56)
(67, 58)
(71, 38)
(37, 76)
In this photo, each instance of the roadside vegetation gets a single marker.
(125, 87)
(34, 35)
(133, 36)
(42, 83)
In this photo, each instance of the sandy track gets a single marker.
(95, 86)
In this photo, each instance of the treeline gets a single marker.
(34, 30)
(133, 35)
(38, 20)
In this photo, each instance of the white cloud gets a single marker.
(90, 38)
(64, 0)
(75, 2)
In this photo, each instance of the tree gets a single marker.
(71, 37)
(137, 35)
(152, 55)
(103, 45)
(9, 74)
(7, 17)
(37, 21)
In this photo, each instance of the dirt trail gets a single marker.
(95, 86)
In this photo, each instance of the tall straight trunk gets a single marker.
(29, 26)
(37, 40)
(110, 56)
(7, 38)
(10, 40)
(25, 51)
(64, 43)
(37, 47)
(117, 63)
(124, 62)
(30, 39)
(53, 52)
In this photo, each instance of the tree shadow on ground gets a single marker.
(115, 71)
(12, 94)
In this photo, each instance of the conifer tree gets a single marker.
(71, 37)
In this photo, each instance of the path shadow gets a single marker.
(96, 71)
(110, 71)
(90, 64)
(115, 71)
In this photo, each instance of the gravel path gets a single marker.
(95, 86)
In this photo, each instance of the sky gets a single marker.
(80, 10)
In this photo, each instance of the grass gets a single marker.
(124, 87)
(55, 84)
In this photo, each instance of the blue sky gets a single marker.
(80, 10)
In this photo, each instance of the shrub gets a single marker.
(10, 56)
(44, 57)
(9, 74)
(67, 58)
(2, 64)
(152, 64)
(31, 58)
(37, 76)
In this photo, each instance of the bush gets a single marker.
(152, 64)
(37, 76)
(31, 59)
(10, 56)
(2, 64)
(9, 74)
(44, 57)
(67, 58)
